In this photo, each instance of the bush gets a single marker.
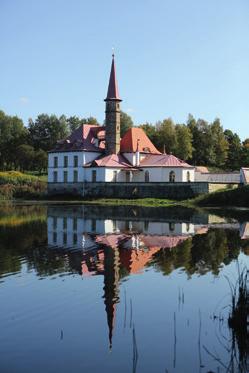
(16, 178)
(14, 184)
(236, 197)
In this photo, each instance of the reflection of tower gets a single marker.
(111, 281)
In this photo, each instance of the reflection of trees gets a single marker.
(202, 253)
(169, 259)
(12, 215)
(27, 242)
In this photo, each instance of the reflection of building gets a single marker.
(78, 233)
(244, 231)
(114, 247)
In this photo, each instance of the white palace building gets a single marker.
(96, 154)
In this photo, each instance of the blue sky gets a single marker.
(173, 57)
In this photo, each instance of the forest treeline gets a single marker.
(196, 141)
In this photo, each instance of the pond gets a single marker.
(119, 289)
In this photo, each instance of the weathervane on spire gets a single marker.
(113, 52)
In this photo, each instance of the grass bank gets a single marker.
(17, 185)
(238, 197)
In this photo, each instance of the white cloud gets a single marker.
(24, 100)
(129, 110)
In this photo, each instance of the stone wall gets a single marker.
(177, 191)
(129, 190)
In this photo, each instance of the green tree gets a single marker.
(74, 122)
(25, 155)
(89, 120)
(245, 153)
(234, 155)
(125, 123)
(12, 134)
(46, 130)
(220, 143)
(40, 160)
(203, 145)
(184, 147)
(166, 133)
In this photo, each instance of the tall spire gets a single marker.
(112, 114)
(112, 93)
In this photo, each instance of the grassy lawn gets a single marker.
(238, 197)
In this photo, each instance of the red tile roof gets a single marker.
(83, 138)
(112, 160)
(135, 260)
(163, 160)
(136, 137)
(112, 93)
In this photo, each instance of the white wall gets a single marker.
(161, 174)
(131, 157)
(156, 174)
(83, 158)
(225, 177)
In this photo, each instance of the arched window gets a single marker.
(146, 176)
(172, 177)
(188, 177)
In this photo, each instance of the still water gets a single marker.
(118, 289)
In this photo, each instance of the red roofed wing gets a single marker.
(163, 160)
(136, 139)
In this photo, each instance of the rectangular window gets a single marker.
(65, 176)
(64, 238)
(54, 222)
(115, 176)
(75, 161)
(75, 238)
(94, 176)
(75, 223)
(55, 176)
(55, 162)
(65, 161)
(75, 176)
(64, 223)
(93, 225)
(54, 237)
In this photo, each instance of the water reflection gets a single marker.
(197, 244)
(116, 244)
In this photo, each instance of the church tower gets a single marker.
(112, 114)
